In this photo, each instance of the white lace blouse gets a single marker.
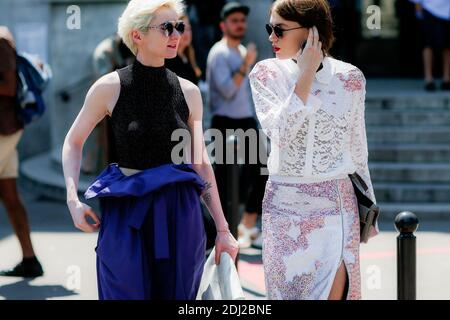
(322, 139)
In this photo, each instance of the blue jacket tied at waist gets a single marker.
(151, 243)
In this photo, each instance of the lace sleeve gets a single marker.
(280, 111)
(360, 151)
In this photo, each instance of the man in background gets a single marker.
(228, 65)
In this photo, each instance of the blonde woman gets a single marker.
(151, 242)
(311, 106)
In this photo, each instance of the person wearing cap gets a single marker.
(228, 65)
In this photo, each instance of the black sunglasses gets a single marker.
(169, 26)
(278, 30)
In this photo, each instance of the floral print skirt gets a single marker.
(309, 229)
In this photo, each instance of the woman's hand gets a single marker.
(225, 242)
(79, 212)
(309, 59)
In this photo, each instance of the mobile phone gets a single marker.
(303, 45)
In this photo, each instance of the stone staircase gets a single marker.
(409, 153)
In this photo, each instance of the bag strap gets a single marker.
(357, 179)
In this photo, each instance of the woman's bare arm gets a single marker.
(200, 159)
(202, 165)
(100, 98)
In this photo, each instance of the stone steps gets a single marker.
(412, 192)
(424, 211)
(409, 152)
(410, 172)
(415, 134)
(409, 102)
(408, 118)
(41, 174)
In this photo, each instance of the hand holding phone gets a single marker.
(299, 52)
(310, 54)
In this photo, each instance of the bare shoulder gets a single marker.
(191, 93)
(108, 82)
(188, 87)
(106, 90)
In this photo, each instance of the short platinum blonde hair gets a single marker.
(139, 13)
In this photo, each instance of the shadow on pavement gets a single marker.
(23, 290)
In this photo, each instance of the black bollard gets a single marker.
(406, 223)
(232, 201)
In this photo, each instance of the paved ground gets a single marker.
(68, 258)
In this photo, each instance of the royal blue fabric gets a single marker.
(151, 243)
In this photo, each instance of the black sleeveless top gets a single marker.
(183, 69)
(150, 107)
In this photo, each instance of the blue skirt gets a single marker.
(151, 242)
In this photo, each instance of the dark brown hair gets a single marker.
(189, 51)
(308, 13)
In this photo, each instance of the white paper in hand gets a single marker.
(220, 282)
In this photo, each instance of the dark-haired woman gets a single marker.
(312, 108)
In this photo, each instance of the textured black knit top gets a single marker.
(183, 69)
(150, 107)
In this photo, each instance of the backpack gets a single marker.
(32, 80)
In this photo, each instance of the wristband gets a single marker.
(240, 72)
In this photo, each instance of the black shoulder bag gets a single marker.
(368, 211)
